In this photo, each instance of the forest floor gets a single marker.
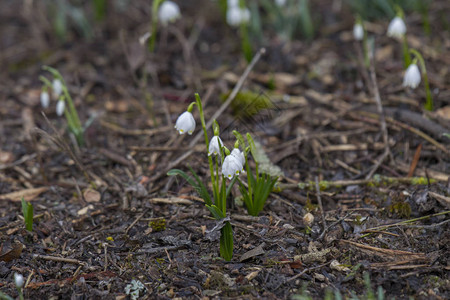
(107, 213)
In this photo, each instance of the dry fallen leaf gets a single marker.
(6, 157)
(444, 112)
(85, 209)
(27, 194)
(91, 195)
(13, 253)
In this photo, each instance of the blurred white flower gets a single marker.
(412, 76)
(214, 146)
(57, 87)
(240, 157)
(168, 12)
(358, 31)
(280, 3)
(185, 123)
(397, 28)
(231, 166)
(60, 106)
(237, 15)
(45, 99)
(18, 280)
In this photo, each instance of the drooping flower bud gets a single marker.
(185, 123)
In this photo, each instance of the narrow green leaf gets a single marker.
(215, 211)
(226, 242)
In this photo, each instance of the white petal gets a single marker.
(214, 147)
(18, 280)
(60, 106)
(397, 28)
(168, 12)
(45, 99)
(358, 32)
(57, 87)
(231, 166)
(412, 76)
(237, 16)
(185, 123)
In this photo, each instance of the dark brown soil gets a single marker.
(107, 213)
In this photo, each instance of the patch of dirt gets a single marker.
(106, 213)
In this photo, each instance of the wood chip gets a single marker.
(252, 253)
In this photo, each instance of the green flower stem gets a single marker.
(198, 101)
(246, 46)
(429, 105)
(406, 55)
(366, 49)
(249, 179)
(151, 41)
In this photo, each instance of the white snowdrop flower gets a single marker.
(397, 28)
(60, 106)
(237, 16)
(358, 32)
(412, 76)
(18, 280)
(280, 3)
(240, 157)
(169, 11)
(231, 166)
(57, 87)
(214, 146)
(185, 123)
(45, 99)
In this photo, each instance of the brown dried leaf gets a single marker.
(13, 253)
(91, 195)
(27, 194)
(6, 157)
(252, 253)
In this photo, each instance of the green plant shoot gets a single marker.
(259, 185)
(27, 211)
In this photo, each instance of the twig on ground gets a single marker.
(60, 259)
(376, 92)
(403, 223)
(305, 271)
(382, 180)
(135, 221)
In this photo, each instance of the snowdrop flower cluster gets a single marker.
(358, 31)
(237, 15)
(57, 90)
(412, 76)
(185, 123)
(168, 12)
(397, 28)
